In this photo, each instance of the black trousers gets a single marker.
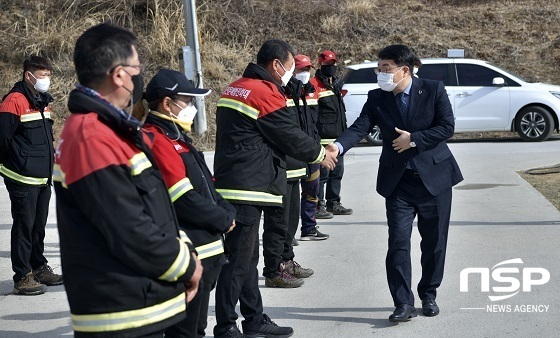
(197, 310)
(409, 199)
(279, 228)
(333, 180)
(30, 208)
(293, 207)
(239, 280)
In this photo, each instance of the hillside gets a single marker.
(521, 36)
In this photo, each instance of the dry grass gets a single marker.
(358, 7)
(547, 185)
(333, 24)
(522, 36)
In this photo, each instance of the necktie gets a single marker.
(402, 105)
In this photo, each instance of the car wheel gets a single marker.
(374, 138)
(534, 124)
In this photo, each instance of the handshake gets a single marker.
(331, 152)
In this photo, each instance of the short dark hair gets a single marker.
(400, 54)
(99, 49)
(274, 49)
(417, 62)
(35, 62)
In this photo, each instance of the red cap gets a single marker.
(327, 55)
(302, 61)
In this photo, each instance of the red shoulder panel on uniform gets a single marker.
(259, 94)
(148, 139)
(15, 103)
(319, 86)
(166, 153)
(86, 145)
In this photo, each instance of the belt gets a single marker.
(410, 172)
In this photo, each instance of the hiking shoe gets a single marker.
(29, 286)
(322, 213)
(338, 209)
(313, 236)
(294, 242)
(267, 328)
(46, 275)
(283, 279)
(231, 332)
(297, 270)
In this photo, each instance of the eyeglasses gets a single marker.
(188, 103)
(385, 71)
(140, 67)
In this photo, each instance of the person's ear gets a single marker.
(406, 70)
(116, 76)
(28, 77)
(166, 103)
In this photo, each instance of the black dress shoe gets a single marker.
(403, 313)
(430, 308)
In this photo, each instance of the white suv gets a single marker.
(483, 96)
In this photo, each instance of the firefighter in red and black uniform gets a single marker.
(26, 163)
(291, 273)
(126, 264)
(331, 123)
(254, 133)
(202, 212)
(310, 184)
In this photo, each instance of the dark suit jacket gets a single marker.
(430, 122)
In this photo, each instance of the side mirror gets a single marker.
(498, 82)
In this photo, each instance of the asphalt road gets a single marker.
(496, 217)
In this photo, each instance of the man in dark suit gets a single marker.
(416, 172)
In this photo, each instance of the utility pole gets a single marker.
(191, 66)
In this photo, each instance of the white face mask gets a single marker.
(385, 81)
(303, 77)
(41, 85)
(287, 74)
(186, 114)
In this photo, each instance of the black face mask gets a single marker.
(138, 81)
(138, 91)
(328, 70)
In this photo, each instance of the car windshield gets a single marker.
(508, 72)
(360, 75)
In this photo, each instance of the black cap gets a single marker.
(169, 82)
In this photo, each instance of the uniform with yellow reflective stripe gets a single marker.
(26, 163)
(26, 137)
(202, 211)
(331, 123)
(302, 114)
(280, 226)
(331, 110)
(310, 185)
(255, 132)
(125, 261)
